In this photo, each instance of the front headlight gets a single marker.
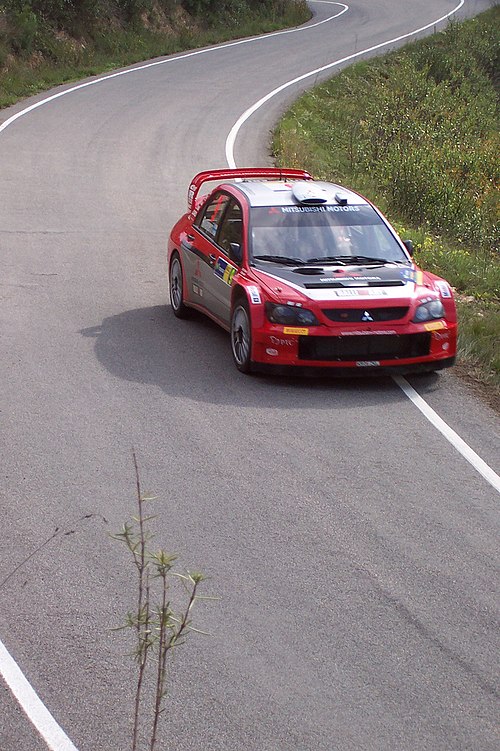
(289, 315)
(429, 311)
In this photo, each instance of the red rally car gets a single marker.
(306, 273)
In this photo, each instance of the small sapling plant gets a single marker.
(156, 625)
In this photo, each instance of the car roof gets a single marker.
(280, 193)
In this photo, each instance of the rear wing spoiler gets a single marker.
(265, 173)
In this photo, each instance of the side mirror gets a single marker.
(235, 253)
(409, 246)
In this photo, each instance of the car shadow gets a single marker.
(192, 358)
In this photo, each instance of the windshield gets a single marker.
(322, 234)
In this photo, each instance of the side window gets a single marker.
(231, 230)
(209, 218)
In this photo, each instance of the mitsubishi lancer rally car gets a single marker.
(306, 274)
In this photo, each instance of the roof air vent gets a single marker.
(309, 193)
(341, 199)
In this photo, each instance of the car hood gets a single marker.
(334, 282)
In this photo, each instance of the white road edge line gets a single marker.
(450, 435)
(36, 711)
(461, 446)
(230, 141)
(205, 51)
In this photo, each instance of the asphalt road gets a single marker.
(354, 549)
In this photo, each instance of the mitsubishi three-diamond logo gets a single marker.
(366, 316)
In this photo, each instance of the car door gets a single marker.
(203, 250)
(228, 256)
(218, 226)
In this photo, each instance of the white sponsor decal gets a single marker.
(365, 333)
(272, 352)
(439, 335)
(365, 292)
(362, 281)
(316, 209)
(282, 342)
(347, 292)
(367, 363)
(254, 294)
(444, 289)
(197, 290)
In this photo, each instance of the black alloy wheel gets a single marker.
(176, 288)
(241, 336)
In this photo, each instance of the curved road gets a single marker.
(354, 548)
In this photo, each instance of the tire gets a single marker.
(176, 285)
(241, 336)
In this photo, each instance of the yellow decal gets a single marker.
(292, 330)
(420, 278)
(435, 326)
(229, 272)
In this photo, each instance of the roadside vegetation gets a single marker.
(47, 42)
(417, 131)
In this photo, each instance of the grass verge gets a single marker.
(34, 55)
(417, 131)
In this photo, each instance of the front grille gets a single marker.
(364, 347)
(348, 315)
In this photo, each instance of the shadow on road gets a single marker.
(192, 359)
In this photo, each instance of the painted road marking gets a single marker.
(238, 43)
(230, 141)
(450, 435)
(36, 711)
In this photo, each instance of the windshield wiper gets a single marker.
(338, 260)
(369, 260)
(287, 260)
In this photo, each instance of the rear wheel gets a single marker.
(176, 288)
(241, 336)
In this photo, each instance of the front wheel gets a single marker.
(241, 336)
(176, 288)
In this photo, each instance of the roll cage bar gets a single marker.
(264, 173)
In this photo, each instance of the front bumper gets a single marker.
(350, 372)
(405, 349)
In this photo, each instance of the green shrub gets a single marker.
(422, 126)
(25, 27)
(417, 131)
